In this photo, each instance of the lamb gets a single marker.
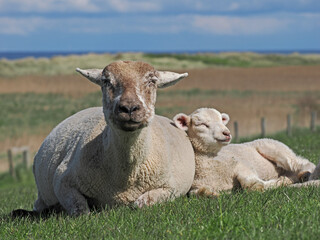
(220, 166)
(118, 154)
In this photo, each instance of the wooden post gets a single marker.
(236, 131)
(25, 157)
(11, 164)
(263, 127)
(289, 130)
(313, 121)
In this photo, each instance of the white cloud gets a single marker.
(162, 6)
(171, 24)
(20, 26)
(121, 6)
(134, 6)
(223, 25)
(47, 6)
(144, 24)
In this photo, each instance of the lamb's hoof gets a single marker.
(258, 186)
(284, 181)
(304, 176)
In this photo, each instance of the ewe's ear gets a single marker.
(167, 79)
(225, 118)
(94, 75)
(182, 121)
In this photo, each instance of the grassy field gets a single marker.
(37, 94)
(282, 213)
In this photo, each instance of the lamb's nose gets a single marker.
(226, 133)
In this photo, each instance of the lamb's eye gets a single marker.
(202, 125)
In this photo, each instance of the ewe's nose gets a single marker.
(128, 108)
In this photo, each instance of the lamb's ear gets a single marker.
(182, 121)
(94, 75)
(167, 79)
(225, 118)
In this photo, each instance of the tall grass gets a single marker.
(243, 59)
(283, 213)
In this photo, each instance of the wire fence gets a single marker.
(23, 153)
(263, 122)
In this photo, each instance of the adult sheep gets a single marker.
(118, 154)
(256, 165)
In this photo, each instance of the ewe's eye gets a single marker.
(107, 82)
(152, 81)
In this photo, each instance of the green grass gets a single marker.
(29, 113)
(282, 213)
(32, 113)
(66, 65)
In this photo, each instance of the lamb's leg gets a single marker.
(284, 157)
(248, 179)
(315, 183)
(154, 196)
(72, 200)
(278, 182)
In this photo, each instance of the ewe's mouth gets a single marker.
(130, 125)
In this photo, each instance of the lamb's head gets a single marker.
(129, 92)
(206, 129)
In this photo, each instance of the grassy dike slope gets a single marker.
(65, 65)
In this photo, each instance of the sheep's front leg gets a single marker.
(71, 200)
(278, 182)
(248, 178)
(253, 182)
(154, 196)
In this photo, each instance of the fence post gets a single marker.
(313, 121)
(263, 127)
(289, 130)
(25, 157)
(236, 131)
(11, 164)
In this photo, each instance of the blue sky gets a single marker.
(159, 25)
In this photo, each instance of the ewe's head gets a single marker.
(206, 129)
(129, 92)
